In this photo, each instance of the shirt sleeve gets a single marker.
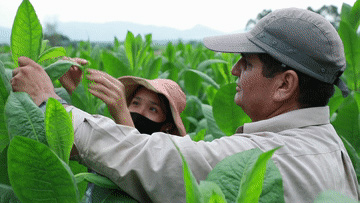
(148, 167)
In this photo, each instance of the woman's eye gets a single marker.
(135, 103)
(153, 109)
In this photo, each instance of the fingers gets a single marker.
(24, 61)
(76, 60)
(81, 61)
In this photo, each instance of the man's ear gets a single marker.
(286, 86)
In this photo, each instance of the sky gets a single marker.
(224, 15)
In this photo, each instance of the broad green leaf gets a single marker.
(333, 197)
(193, 83)
(59, 129)
(152, 71)
(77, 168)
(99, 180)
(59, 68)
(200, 135)
(192, 190)
(130, 48)
(224, 108)
(212, 126)
(204, 65)
(335, 101)
(24, 118)
(253, 179)
(43, 45)
(52, 53)
(351, 43)
(354, 156)
(211, 192)
(206, 78)
(26, 33)
(354, 15)
(5, 89)
(116, 196)
(7, 194)
(229, 173)
(347, 120)
(113, 65)
(4, 178)
(44, 178)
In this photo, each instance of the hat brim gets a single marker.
(232, 43)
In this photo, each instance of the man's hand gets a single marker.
(71, 79)
(31, 78)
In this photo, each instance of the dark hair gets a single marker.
(313, 92)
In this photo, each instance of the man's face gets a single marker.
(253, 91)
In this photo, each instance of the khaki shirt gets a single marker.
(149, 168)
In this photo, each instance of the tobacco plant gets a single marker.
(35, 146)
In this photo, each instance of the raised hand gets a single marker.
(31, 78)
(71, 79)
(112, 92)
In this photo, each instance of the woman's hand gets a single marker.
(71, 79)
(112, 92)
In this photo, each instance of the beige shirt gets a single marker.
(313, 158)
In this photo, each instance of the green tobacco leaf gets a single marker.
(333, 197)
(228, 175)
(211, 192)
(354, 156)
(26, 33)
(7, 194)
(130, 48)
(24, 118)
(192, 190)
(192, 82)
(224, 108)
(152, 71)
(59, 68)
(347, 120)
(99, 180)
(4, 178)
(212, 126)
(203, 65)
(77, 168)
(59, 129)
(52, 53)
(206, 78)
(253, 179)
(37, 174)
(5, 89)
(351, 43)
(113, 65)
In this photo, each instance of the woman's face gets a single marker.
(148, 104)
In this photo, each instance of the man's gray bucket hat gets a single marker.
(298, 38)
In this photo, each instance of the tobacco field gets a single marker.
(35, 146)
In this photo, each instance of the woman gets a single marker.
(149, 105)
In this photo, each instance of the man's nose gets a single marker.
(236, 69)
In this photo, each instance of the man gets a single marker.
(291, 61)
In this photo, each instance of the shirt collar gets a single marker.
(293, 119)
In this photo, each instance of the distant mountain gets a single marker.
(5, 34)
(105, 32)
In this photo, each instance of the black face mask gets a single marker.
(145, 125)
